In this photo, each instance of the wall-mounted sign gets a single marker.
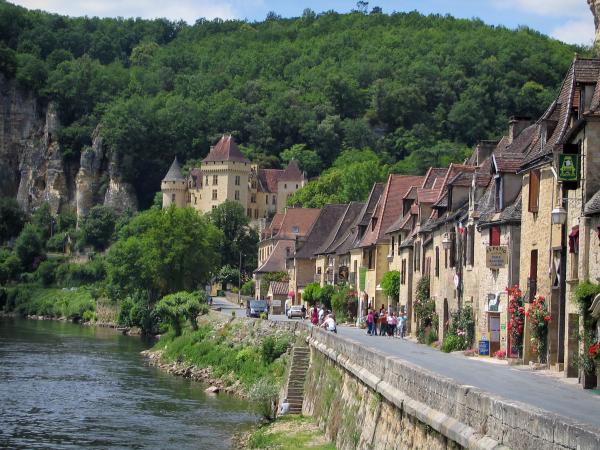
(496, 256)
(568, 167)
(484, 348)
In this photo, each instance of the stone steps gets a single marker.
(297, 375)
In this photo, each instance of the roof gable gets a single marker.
(226, 150)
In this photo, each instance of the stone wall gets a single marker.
(365, 399)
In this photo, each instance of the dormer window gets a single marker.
(295, 229)
(499, 191)
(373, 223)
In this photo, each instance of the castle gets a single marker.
(226, 174)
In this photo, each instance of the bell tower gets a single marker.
(174, 187)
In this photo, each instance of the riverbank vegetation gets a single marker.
(240, 353)
(288, 433)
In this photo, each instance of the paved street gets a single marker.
(508, 382)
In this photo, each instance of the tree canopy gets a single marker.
(401, 84)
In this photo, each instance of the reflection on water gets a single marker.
(68, 386)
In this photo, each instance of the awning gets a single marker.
(574, 239)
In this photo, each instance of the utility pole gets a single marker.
(240, 282)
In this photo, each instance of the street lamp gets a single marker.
(446, 242)
(559, 215)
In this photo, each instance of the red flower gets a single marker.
(547, 318)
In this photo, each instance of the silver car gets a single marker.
(295, 311)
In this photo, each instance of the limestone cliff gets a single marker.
(32, 169)
(595, 7)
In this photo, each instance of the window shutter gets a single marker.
(534, 190)
(495, 235)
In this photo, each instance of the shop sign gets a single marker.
(484, 348)
(568, 167)
(496, 256)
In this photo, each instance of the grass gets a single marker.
(230, 356)
(51, 302)
(290, 433)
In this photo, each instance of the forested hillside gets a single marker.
(413, 88)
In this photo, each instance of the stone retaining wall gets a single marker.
(464, 416)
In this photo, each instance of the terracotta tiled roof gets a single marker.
(276, 260)
(297, 222)
(369, 208)
(279, 287)
(389, 207)
(273, 228)
(174, 173)
(268, 179)
(196, 177)
(427, 195)
(411, 194)
(325, 222)
(226, 150)
(432, 174)
(508, 163)
(463, 179)
(292, 172)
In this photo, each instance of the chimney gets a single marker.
(484, 149)
(516, 125)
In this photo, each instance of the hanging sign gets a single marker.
(568, 167)
(496, 256)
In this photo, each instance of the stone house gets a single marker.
(565, 128)
(277, 296)
(375, 244)
(278, 241)
(226, 174)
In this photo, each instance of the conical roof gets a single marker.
(226, 150)
(174, 173)
(291, 172)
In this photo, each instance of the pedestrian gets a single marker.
(370, 327)
(375, 322)
(314, 316)
(303, 312)
(321, 314)
(392, 323)
(402, 324)
(329, 324)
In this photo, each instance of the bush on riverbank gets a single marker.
(236, 351)
(56, 303)
(289, 433)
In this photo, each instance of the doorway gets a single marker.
(494, 332)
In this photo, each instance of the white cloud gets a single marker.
(188, 10)
(576, 32)
(555, 8)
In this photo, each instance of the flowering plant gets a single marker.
(539, 317)
(594, 351)
(500, 354)
(516, 319)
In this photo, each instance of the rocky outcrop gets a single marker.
(32, 168)
(595, 7)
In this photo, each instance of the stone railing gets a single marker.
(463, 414)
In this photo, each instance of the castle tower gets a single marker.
(226, 176)
(289, 182)
(174, 187)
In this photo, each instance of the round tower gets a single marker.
(174, 187)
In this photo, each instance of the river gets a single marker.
(65, 386)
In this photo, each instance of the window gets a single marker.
(373, 223)
(214, 194)
(267, 199)
(172, 197)
(237, 180)
(471, 248)
(215, 180)
(445, 258)
(285, 186)
(256, 213)
(253, 198)
(195, 200)
(371, 259)
(236, 195)
(393, 245)
(249, 212)
(437, 262)
(399, 241)
(295, 229)
(274, 200)
(499, 200)
(417, 261)
(206, 180)
(427, 266)
(534, 190)
(533, 271)
(495, 235)
(296, 186)
(452, 255)
(403, 272)
(214, 206)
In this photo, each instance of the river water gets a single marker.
(65, 386)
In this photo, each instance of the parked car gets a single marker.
(257, 307)
(295, 311)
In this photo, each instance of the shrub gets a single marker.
(265, 392)
(463, 325)
(29, 247)
(173, 308)
(453, 343)
(272, 348)
(98, 226)
(311, 293)
(10, 266)
(390, 284)
(248, 288)
(325, 295)
(45, 272)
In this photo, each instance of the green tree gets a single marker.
(10, 266)
(325, 295)
(390, 283)
(266, 281)
(238, 237)
(12, 219)
(29, 247)
(161, 252)
(228, 275)
(174, 308)
(308, 160)
(98, 226)
(312, 293)
(42, 219)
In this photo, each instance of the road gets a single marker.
(511, 383)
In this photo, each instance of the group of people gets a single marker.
(323, 318)
(386, 323)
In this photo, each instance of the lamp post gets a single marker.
(240, 282)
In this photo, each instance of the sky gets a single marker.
(568, 20)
